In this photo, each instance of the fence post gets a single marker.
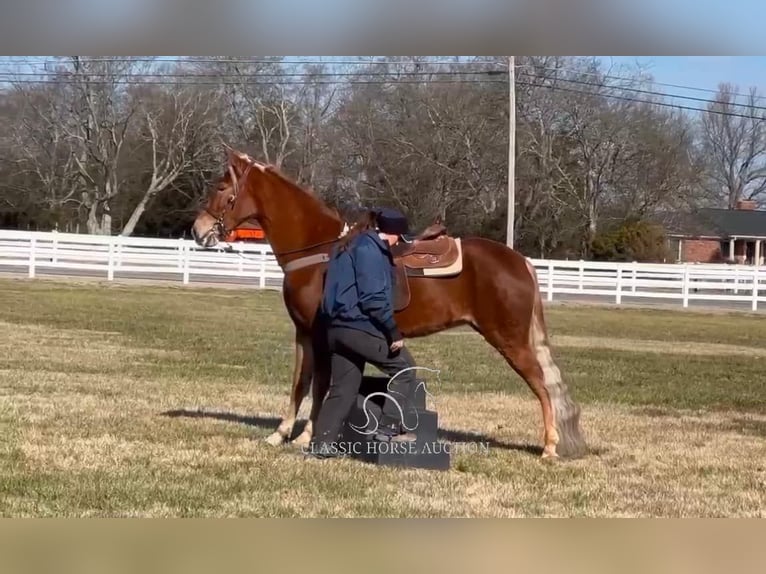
(118, 251)
(550, 280)
(110, 261)
(736, 279)
(262, 277)
(181, 254)
(618, 296)
(55, 245)
(685, 287)
(240, 264)
(755, 288)
(582, 274)
(185, 255)
(635, 270)
(32, 245)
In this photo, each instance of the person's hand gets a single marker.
(397, 345)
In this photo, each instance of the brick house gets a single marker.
(710, 235)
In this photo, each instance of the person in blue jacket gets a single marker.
(358, 315)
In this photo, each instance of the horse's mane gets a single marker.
(307, 192)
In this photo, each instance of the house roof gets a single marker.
(712, 222)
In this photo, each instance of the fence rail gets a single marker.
(180, 259)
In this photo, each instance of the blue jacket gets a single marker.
(358, 290)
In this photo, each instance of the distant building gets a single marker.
(710, 235)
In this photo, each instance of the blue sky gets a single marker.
(702, 71)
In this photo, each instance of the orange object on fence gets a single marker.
(247, 232)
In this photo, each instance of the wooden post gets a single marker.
(635, 273)
(550, 280)
(755, 289)
(55, 258)
(110, 262)
(185, 254)
(618, 297)
(262, 271)
(32, 246)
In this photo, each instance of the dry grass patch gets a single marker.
(35, 345)
(86, 400)
(639, 345)
(135, 461)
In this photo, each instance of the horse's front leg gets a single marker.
(319, 387)
(302, 371)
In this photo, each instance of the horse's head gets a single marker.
(228, 203)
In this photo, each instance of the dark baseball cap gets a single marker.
(392, 221)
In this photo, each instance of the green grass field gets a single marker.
(674, 409)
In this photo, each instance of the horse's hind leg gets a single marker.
(533, 362)
(303, 368)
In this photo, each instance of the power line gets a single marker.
(207, 60)
(260, 78)
(634, 80)
(651, 92)
(190, 80)
(363, 62)
(216, 75)
(640, 101)
(246, 82)
(358, 62)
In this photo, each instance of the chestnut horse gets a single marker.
(496, 292)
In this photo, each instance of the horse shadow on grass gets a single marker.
(250, 421)
(270, 423)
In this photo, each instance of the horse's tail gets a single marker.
(538, 330)
(566, 413)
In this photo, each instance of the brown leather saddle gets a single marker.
(432, 253)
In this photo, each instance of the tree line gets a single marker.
(130, 145)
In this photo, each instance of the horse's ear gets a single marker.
(236, 160)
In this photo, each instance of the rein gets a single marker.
(300, 262)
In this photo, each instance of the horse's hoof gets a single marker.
(303, 439)
(275, 439)
(549, 453)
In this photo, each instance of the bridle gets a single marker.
(219, 225)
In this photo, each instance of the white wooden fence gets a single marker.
(110, 256)
(253, 264)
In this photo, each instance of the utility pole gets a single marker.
(511, 149)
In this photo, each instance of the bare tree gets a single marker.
(314, 104)
(734, 142)
(660, 168)
(101, 113)
(544, 166)
(173, 120)
(41, 151)
(260, 110)
(432, 149)
(599, 138)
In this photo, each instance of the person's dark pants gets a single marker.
(350, 349)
